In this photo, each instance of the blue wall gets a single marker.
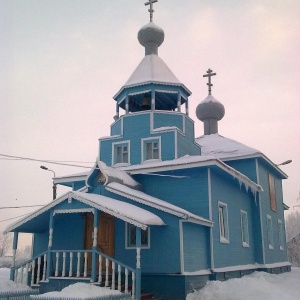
(272, 255)
(226, 189)
(196, 247)
(189, 192)
(135, 127)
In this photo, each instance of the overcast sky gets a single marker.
(61, 62)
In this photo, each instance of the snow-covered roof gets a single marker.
(221, 147)
(227, 149)
(192, 162)
(156, 203)
(119, 209)
(152, 69)
(112, 175)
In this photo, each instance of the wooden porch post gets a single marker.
(138, 263)
(50, 245)
(187, 107)
(15, 244)
(153, 100)
(95, 234)
(179, 102)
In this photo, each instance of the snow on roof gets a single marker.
(113, 175)
(221, 147)
(152, 69)
(191, 162)
(226, 149)
(121, 210)
(155, 202)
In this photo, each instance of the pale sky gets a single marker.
(61, 62)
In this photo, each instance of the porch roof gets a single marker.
(38, 221)
(159, 204)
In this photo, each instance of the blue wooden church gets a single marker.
(161, 211)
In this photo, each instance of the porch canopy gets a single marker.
(38, 221)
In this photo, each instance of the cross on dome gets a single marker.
(151, 10)
(209, 75)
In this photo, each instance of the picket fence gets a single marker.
(104, 297)
(18, 295)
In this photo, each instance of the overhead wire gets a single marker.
(8, 207)
(14, 218)
(55, 162)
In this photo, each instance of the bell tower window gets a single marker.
(121, 153)
(151, 148)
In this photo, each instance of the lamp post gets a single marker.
(54, 185)
(285, 163)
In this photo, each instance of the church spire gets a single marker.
(210, 110)
(151, 10)
(209, 75)
(151, 36)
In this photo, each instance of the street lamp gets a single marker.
(54, 185)
(285, 163)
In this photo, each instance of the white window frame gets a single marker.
(244, 229)
(127, 246)
(270, 232)
(280, 235)
(114, 150)
(223, 222)
(152, 140)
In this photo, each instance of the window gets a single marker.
(244, 228)
(131, 237)
(280, 235)
(272, 192)
(121, 153)
(151, 149)
(223, 222)
(270, 232)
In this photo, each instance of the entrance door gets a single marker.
(105, 239)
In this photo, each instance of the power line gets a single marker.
(14, 218)
(64, 163)
(7, 207)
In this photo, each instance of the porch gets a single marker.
(61, 257)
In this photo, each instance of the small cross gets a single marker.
(151, 10)
(209, 74)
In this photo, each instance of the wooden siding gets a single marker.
(275, 254)
(195, 247)
(226, 189)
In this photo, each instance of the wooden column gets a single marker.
(138, 263)
(179, 102)
(153, 100)
(127, 104)
(116, 117)
(13, 264)
(49, 262)
(187, 107)
(95, 239)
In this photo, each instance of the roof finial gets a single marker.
(209, 74)
(151, 10)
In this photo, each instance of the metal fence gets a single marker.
(18, 295)
(104, 297)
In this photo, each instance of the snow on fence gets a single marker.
(18, 295)
(104, 297)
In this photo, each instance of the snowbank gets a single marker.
(80, 290)
(259, 285)
(7, 285)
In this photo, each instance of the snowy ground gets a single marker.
(259, 285)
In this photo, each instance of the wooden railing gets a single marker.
(106, 271)
(32, 271)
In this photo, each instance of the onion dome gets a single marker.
(210, 108)
(210, 111)
(151, 37)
